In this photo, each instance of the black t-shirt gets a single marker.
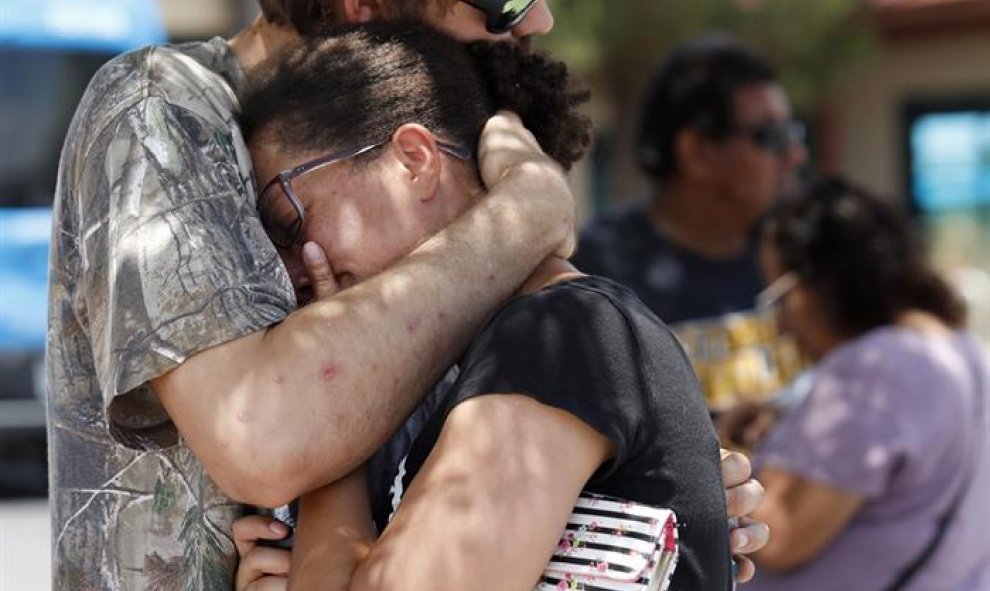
(676, 283)
(589, 347)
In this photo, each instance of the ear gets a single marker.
(415, 149)
(360, 11)
(694, 155)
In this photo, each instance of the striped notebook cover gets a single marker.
(613, 545)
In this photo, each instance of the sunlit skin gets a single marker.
(368, 214)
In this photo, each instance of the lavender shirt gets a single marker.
(891, 417)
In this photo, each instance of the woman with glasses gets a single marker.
(574, 385)
(877, 478)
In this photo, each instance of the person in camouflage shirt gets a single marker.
(159, 261)
(170, 312)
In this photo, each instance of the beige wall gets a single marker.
(869, 108)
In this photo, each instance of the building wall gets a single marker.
(868, 111)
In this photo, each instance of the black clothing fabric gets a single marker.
(677, 284)
(589, 347)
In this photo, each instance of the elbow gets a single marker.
(257, 470)
(270, 467)
(259, 483)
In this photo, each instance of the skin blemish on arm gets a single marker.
(413, 325)
(243, 416)
(329, 373)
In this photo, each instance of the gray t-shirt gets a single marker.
(892, 417)
(157, 253)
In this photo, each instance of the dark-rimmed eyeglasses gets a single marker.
(284, 225)
(502, 15)
(776, 137)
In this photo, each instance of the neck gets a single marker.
(552, 270)
(259, 41)
(693, 218)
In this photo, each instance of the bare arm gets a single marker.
(804, 517)
(284, 410)
(458, 525)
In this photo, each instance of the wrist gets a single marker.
(539, 196)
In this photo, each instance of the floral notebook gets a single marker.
(613, 545)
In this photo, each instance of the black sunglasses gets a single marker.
(777, 137)
(502, 15)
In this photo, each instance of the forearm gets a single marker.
(334, 535)
(305, 402)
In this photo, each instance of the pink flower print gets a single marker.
(593, 526)
(566, 542)
(602, 566)
(562, 586)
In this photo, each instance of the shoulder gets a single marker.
(574, 318)
(197, 77)
(892, 352)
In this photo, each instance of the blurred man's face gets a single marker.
(760, 159)
(467, 23)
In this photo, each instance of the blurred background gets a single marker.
(895, 94)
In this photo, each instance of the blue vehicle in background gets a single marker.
(49, 49)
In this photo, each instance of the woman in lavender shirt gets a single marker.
(892, 432)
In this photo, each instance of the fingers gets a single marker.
(749, 537)
(262, 563)
(745, 569)
(736, 469)
(744, 498)
(321, 278)
(251, 528)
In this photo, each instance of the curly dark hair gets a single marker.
(860, 256)
(694, 89)
(359, 83)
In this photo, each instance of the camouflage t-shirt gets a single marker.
(157, 253)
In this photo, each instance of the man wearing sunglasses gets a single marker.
(719, 144)
(173, 326)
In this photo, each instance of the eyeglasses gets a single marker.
(502, 15)
(284, 225)
(770, 296)
(777, 137)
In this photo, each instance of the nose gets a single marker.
(538, 21)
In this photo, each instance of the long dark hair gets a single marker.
(860, 256)
(359, 83)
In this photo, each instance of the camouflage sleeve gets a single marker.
(174, 258)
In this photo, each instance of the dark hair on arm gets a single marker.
(359, 83)
(860, 256)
